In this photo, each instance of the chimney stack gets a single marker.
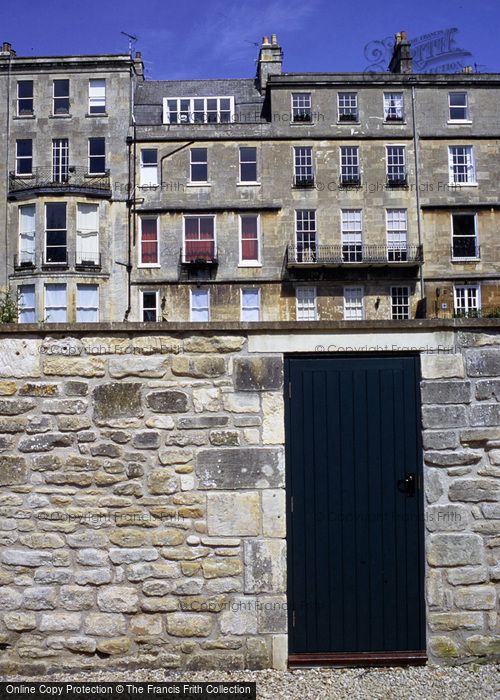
(401, 61)
(7, 50)
(270, 61)
(139, 66)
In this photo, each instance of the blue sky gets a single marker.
(216, 38)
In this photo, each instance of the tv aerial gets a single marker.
(131, 40)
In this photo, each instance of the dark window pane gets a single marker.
(56, 255)
(149, 156)
(56, 238)
(56, 215)
(249, 226)
(149, 315)
(97, 164)
(206, 228)
(199, 173)
(464, 247)
(248, 172)
(97, 109)
(25, 88)
(96, 146)
(198, 155)
(191, 228)
(24, 147)
(248, 154)
(463, 225)
(61, 88)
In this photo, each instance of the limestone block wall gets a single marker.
(142, 497)
(142, 515)
(461, 439)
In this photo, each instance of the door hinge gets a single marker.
(293, 618)
(289, 390)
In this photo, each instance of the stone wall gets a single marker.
(142, 509)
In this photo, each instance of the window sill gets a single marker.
(395, 122)
(311, 123)
(249, 264)
(101, 114)
(92, 175)
(458, 122)
(348, 123)
(465, 260)
(462, 184)
(198, 184)
(24, 175)
(156, 266)
(60, 116)
(248, 184)
(25, 116)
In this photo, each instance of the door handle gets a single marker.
(407, 485)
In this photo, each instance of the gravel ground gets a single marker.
(472, 682)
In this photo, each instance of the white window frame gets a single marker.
(156, 292)
(249, 308)
(249, 263)
(464, 120)
(55, 98)
(394, 105)
(354, 304)
(199, 216)
(148, 171)
(26, 238)
(396, 163)
(97, 97)
(191, 112)
(45, 308)
(306, 230)
(399, 310)
(301, 108)
(140, 262)
(24, 158)
(60, 160)
(31, 112)
(350, 170)
(89, 233)
(205, 291)
(467, 307)
(351, 232)
(458, 169)
(397, 234)
(303, 166)
(198, 162)
(79, 306)
(304, 309)
(241, 162)
(50, 262)
(347, 104)
(24, 310)
(476, 238)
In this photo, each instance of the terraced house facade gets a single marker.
(287, 196)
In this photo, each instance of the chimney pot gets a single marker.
(398, 37)
(265, 41)
(403, 36)
(274, 40)
(138, 55)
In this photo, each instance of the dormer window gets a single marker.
(198, 110)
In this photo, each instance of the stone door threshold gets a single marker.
(360, 658)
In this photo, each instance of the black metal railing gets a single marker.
(348, 116)
(25, 261)
(303, 181)
(397, 180)
(87, 260)
(346, 180)
(202, 255)
(49, 178)
(353, 253)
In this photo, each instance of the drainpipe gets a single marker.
(7, 149)
(416, 146)
(132, 147)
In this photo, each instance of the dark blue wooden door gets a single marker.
(355, 528)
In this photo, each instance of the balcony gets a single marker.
(24, 262)
(47, 181)
(199, 255)
(353, 255)
(87, 261)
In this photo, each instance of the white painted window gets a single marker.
(347, 106)
(199, 165)
(60, 96)
(249, 240)
(199, 239)
(60, 160)
(458, 107)
(149, 306)
(24, 157)
(305, 235)
(97, 96)
(97, 155)
(27, 303)
(396, 165)
(87, 234)
(461, 165)
(56, 303)
(467, 300)
(393, 106)
(250, 304)
(303, 166)
(352, 235)
(353, 304)
(56, 233)
(464, 237)
(200, 305)
(149, 167)
(248, 164)
(306, 304)
(400, 303)
(349, 165)
(397, 235)
(301, 107)
(198, 110)
(148, 242)
(87, 303)
(24, 98)
(27, 230)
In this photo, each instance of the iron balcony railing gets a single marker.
(201, 255)
(71, 178)
(397, 179)
(25, 261)
(87, 260)
(303, 181)
(352, 254)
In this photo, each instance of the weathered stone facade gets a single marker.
(143, 510)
